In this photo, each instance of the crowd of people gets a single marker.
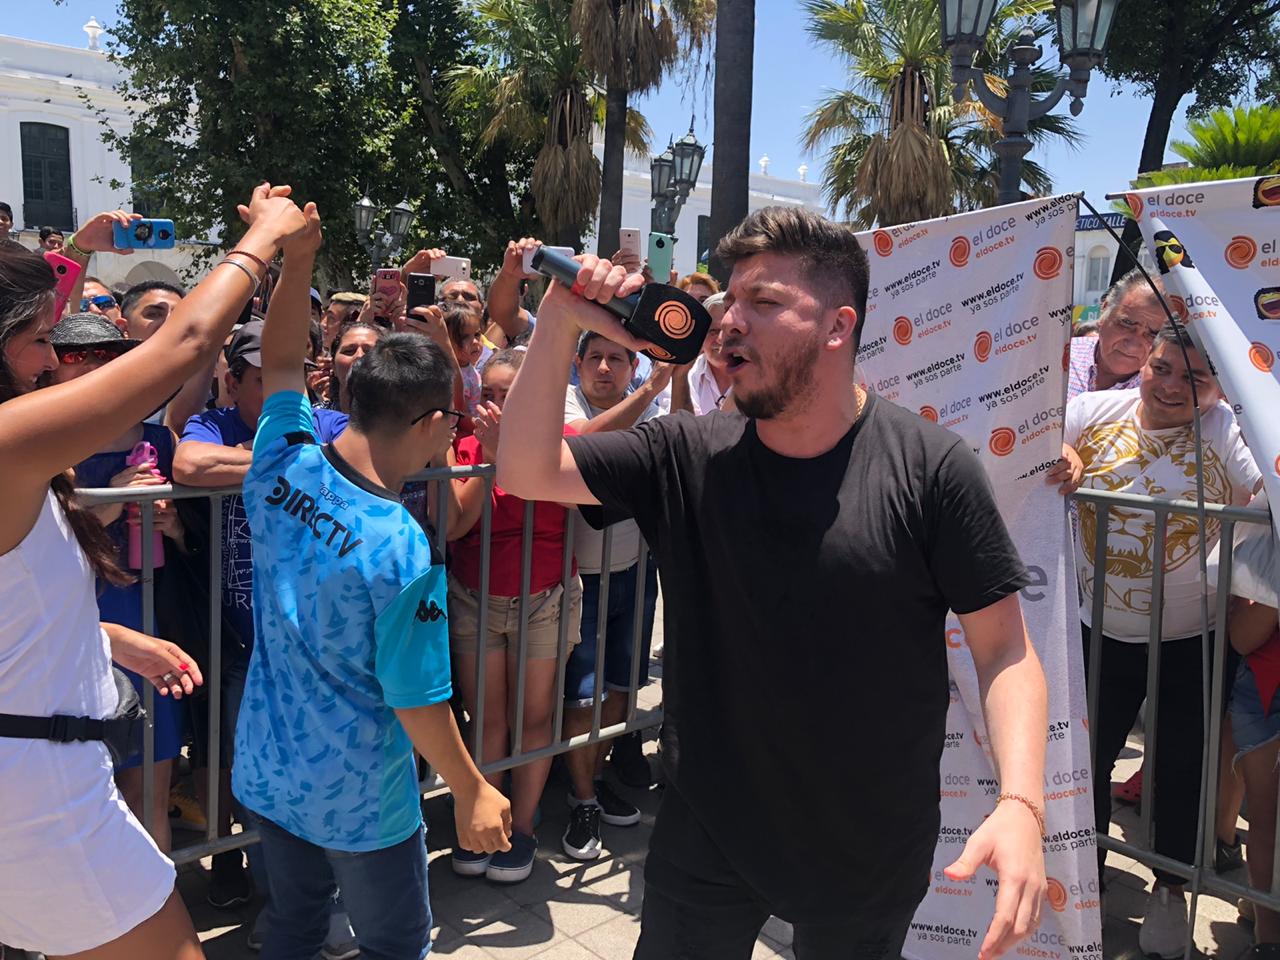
(350, 641)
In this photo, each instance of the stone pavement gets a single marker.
(574, 911)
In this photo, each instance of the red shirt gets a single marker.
(507, 538)
(1265, 664)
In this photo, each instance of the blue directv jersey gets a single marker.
(349, 612)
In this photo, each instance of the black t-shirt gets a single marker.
(805, 670)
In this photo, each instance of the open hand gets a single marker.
(99, 233)
(165, 665)
(599, 281)
(487, 424)
(513, 256)
(1008, 842)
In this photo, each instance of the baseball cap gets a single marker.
(315, 295)
(246, 344)
(89, 330)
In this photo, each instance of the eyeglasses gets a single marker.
(456, 415)
(102, 302)
(101, 354)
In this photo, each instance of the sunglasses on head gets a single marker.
(101, 354)
(102, 302)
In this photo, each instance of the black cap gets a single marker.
(89, 330)
(246, 344)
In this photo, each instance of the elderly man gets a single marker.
(1142, 441)
(1131, 318)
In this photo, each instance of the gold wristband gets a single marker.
(1035, 811)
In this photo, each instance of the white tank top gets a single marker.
(54, 655)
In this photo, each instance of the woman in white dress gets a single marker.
(79, 876)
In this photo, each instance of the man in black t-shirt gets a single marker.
(810, 547)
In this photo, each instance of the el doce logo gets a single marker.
(883, 242)
(1177, 305)
(902, 330)
(960, 251)
(1260, 356)
(1135, 205)
(1002, 441)
(982, 346)
(675, 319)
(1048, 263)
(1056, 894)
(929, 413)
(1240, 252)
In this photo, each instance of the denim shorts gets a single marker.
(618, 635)
(1251, 726)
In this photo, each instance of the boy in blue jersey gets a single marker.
(351, 664)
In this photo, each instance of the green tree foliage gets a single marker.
(900, 148)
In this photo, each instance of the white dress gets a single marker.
(77, 870)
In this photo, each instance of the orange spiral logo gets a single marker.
(675, 319)
(959, 251)
(929, 413)
(660, 353)
(1260, 356)
(902, 330)
(1276, 466)
(1048, 263)
(1177, 305)
(1240, 252)
(882, 242)
(1135, 205)
(982, 346)
(1002, 441)
(1056, 894)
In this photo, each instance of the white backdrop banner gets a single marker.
(967, 325)
(1218, 247)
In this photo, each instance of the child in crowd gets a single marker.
(464, 326)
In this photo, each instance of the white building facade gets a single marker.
(1095, 258)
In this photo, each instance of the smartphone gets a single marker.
(452, 268)
(66, 271)
(387, 282)
(143, 235)
(422, 291)
(629, 241)
(662, 250)
(528, 256)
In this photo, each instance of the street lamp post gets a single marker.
(379, 242)
(1083, 26)
(673, 175)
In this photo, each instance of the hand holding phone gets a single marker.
(422, 291)
(528, 257)
(144, 235)
(629, 241)
(66, 272)
(452, 268)
(386, 282)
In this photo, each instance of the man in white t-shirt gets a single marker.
(604, 400)
(706, 385)
(1142, 442)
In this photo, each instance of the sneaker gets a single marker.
(613, 809)
(185, 812)
(230, 885)
(468, 863)
(629, 762)
(515, 864)
(1164, 925)
(340, 943)
(1228, 856)
(581, 838)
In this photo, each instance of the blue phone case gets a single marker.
(160, 237)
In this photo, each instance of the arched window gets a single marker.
(46, 176)
(1098, 270)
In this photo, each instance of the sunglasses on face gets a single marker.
(101, 354)
(102, 302)
(454, 415)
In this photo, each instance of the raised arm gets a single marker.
(534, 462)
(288, 326)
(504, 292)
(46, 431)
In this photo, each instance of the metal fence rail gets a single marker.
(437, 498)
(1201, 874)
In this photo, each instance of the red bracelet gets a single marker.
(256, 259)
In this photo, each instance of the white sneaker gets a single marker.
(1164, 925)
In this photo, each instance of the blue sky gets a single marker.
(791, 74)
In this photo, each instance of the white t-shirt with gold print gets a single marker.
(1121, 457)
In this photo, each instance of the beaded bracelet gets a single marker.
(256, 259)
(1035, 811)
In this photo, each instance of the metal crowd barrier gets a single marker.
(635, 719)
(1202, 876)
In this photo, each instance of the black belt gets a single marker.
(60, 728)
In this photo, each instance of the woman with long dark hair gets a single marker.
(78, 873)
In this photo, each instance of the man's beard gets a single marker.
(793, 383)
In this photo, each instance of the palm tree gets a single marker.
(632, 44)
(731, 137)
(900, 147)
(1225, 145)
(537, 88)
